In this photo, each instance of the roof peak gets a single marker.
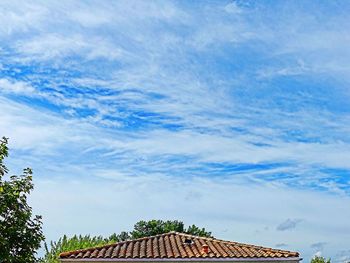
(172, 232)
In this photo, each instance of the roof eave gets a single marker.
(180, 259)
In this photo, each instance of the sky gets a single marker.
(231, 115)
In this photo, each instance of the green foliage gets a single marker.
(155, 227)
(141, 229)
(121, 237)
(20, 233)
(318, 259)
(196, 231)
(76, 242)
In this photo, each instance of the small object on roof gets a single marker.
(188, 241)
(205, 249)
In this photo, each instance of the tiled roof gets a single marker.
(175, 245)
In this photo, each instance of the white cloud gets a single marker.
(36, 130)
(54, 46)
(17, 87)
(21, 17)
(233, 8)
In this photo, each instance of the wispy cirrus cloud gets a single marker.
(141, 94)
(54, 46)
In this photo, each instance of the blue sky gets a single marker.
(233, 115)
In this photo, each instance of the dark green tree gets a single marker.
(155, 227)
(20, 231)
(196, 231)
(120, 237)
(318, 259)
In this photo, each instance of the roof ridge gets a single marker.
(194, 236)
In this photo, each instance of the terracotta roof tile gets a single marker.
(172, 245)
(108, 253)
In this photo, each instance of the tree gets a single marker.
(120, 237)
(20, 232)
(196, 231)
(318, 259)
(155, 227)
